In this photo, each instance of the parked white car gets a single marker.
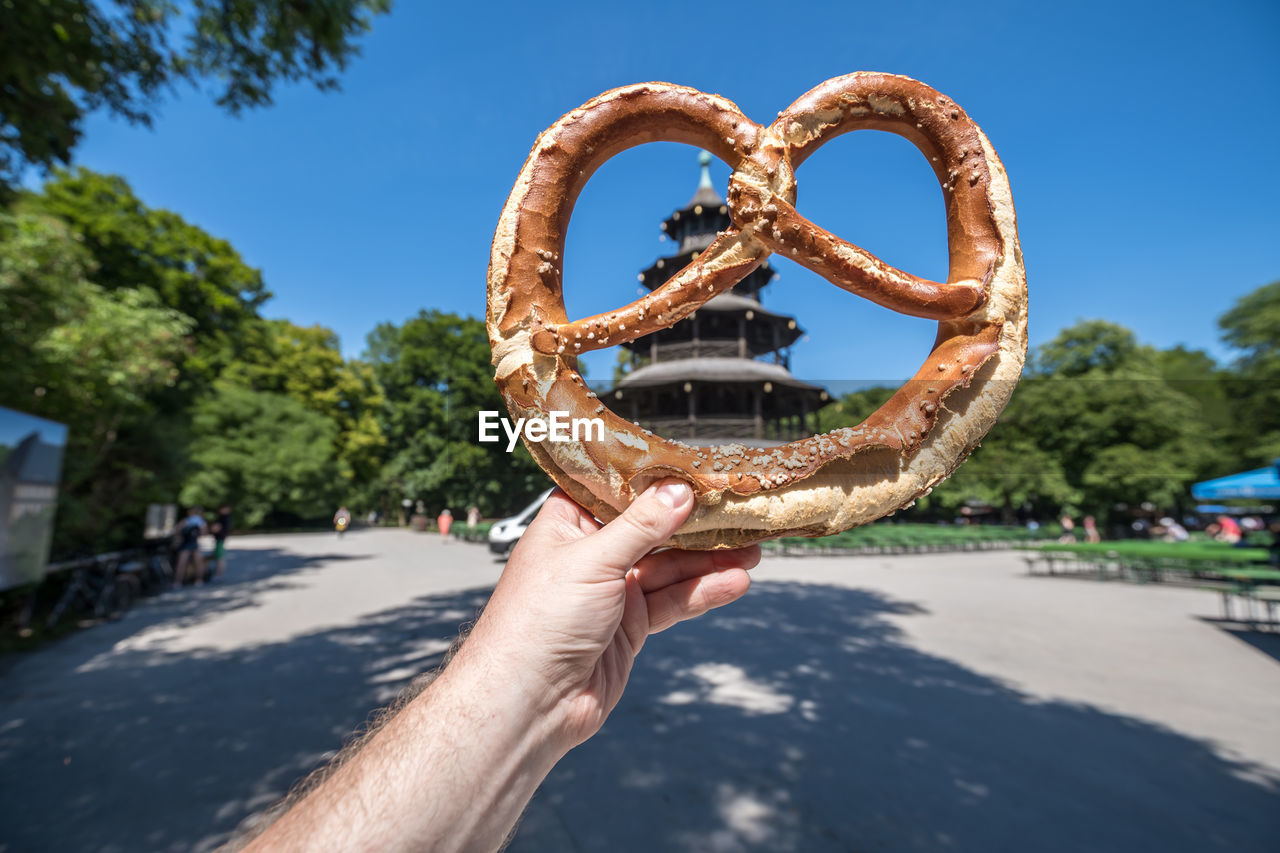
(504, 534)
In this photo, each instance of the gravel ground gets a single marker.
(942, 702)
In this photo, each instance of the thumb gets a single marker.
(646, 524)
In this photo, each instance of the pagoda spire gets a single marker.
(706, 193)
(704, 160)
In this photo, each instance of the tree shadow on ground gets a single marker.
(797, 719)
(250, 574)
(171, 751)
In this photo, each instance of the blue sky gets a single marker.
(1135, 136)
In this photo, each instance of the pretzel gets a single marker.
(825, 483)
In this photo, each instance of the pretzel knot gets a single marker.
(825, 483)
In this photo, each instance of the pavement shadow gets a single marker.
(250, 573)
(797, 719)
(103, 749)
(1265, 641)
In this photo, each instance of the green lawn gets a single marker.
(1140, 549)
(919, 537)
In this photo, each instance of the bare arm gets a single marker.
(543, 668)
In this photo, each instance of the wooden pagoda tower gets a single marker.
(722, 374)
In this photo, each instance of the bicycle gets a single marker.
(154, 567)
(97, 587)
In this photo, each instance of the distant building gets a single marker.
(723, 373)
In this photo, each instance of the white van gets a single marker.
(504, 534)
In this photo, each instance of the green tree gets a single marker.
(125, 314)
(1008, 471)
(436, 375)
(91, 358)
(1128, 473)
(1101, 404)
(42, 268)
(1102, 407)
(1098, 420)
(1252, 327)
(1085, 349)
(306, 364)
(853, 408)
(1195, 373)
(61, 59)
(265, 454)
(134, 246)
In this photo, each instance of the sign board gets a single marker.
(161, 519)
(30, 465)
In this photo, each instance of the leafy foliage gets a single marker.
(1085, 348)
(143, 333)
(42, 266)
(306, 365)
(135, 246)
(852, 409)
(61, 59)
(435, 372)
(1099, 421)
(89, 357)
(266, 454)
(1252, 326)
(1007, 472)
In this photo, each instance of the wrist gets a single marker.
(509, 688)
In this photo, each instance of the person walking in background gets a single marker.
(1091, 530)
(1068, 529)
(220, 529)
(341, 520)
(188, 534)
(444, 521)
(473, 516)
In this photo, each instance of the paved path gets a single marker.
(899, 703)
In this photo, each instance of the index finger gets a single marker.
(664, 568)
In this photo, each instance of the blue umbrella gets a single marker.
(1258, 483)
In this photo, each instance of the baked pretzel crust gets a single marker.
(825, 483)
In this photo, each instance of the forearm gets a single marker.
(543, 668)
(452, 771)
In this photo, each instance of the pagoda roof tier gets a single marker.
(661, 270)
(732, 303)
(765, 330)
(744, 370)
(695, 226)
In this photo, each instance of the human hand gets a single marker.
(577, 600)
(546, 663)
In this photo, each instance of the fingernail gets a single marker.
(674, 493)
